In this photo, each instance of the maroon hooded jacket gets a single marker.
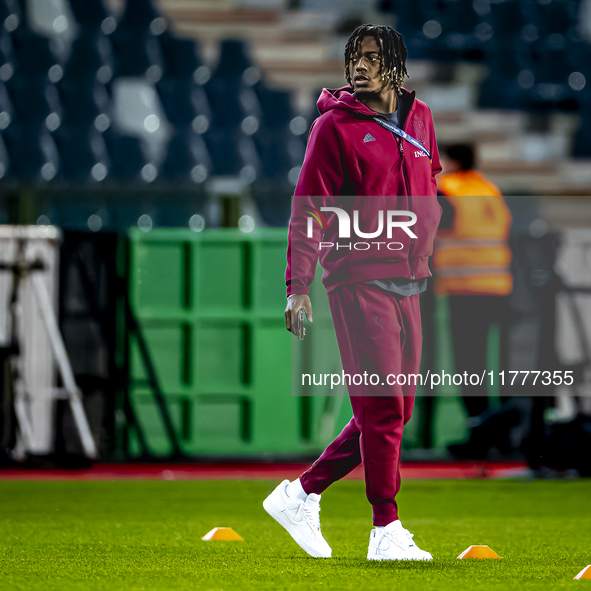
(355, 164)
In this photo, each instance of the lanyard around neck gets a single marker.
(405, 136)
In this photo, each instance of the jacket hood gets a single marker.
(343, 98)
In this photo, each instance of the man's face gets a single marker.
(365, 67)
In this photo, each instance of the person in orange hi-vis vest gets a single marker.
(472, 262)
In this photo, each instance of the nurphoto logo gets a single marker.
(393, 218)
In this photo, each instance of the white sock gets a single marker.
(296, 491)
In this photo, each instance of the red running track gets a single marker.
(260, 471)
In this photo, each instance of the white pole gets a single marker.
(59, 350)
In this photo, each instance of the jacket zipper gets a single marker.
(409, 200)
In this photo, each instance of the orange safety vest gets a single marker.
(473, 256)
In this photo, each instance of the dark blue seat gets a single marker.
(182, 56)
(89, 14)
(582, 139)
(231, 102)
(281, 148)
(33, 154)
(553, 65)
(556, 16)
(233, 153)
(33, 54)
(234, 59)
(8, 7)
(83, 154)
(83, 101)
(7, 57)
(136, 41)
(35, 99)
(279, 144)
(510, 79)
(464, 32)
(84, 88)
(91, 57)
(459, 16)
(141, 15)
(230, 91)
(138, 53)
(183, 101)
(276, 106)
(10, 15)
(5, 168)
(128, 160)
(187, 160)
(411, 17)
(7, 115)
(508, 18)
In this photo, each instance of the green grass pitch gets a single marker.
(147, 536)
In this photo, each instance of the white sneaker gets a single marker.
(300, 518)
(393, 542)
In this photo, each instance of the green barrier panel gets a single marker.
(210, 307)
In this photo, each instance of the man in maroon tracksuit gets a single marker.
(371, 162)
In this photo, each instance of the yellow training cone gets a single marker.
(222, 534)
(585, 573)
(479, 552)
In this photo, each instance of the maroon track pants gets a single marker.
(379, 333)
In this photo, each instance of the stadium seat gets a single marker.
(187, 160)
(464, 32)
(7, 57)
(552, 68)
(89, 14)
(281, 149)
(411, 16)
(276, 106)
(33, 154)
(234, 59)
(35, 101)
(91, 57)
(84, 87)
(83, 101)
(9, 9)
(281, 154)
(182, 56)
(556, 16)
(582, 139)
(141, 16)
(279, 144)
(138, 53)
(33, 55)
(233, 153)
(232, 102)
(7, 115)
(508, 18)
(136, 41)
(510, 79)
(83, 154)
(5, 169)
(183, 101)
(411, 19)
(128, 161)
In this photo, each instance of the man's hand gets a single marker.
(294, 314)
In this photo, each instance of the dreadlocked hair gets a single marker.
(392, 53)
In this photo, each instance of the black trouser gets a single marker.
(471, 317)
